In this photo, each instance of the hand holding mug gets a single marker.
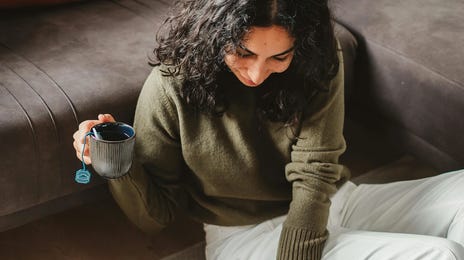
(111, 148)
(80, 134)
(108, 146)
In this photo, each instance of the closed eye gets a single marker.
(279, 58)
(243, 53)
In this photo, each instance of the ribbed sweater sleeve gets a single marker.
(150, 192)
(314, 172)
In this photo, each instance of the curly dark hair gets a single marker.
(201, 32)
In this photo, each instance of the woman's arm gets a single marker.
(150, 193)
(314, 172)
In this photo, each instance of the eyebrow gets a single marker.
(279, 54)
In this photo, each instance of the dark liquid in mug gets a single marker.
(113, 136)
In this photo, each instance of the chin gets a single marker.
(251, 85)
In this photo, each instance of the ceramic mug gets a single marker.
(111, 148)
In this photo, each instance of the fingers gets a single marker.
(106, 118)
(86, 158)
(79, 145)
(79, 136)
(84, 128)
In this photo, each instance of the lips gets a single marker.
(248, 82)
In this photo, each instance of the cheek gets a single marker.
(235, 63)
(281, 67)
(231, 62)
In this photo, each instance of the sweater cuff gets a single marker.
(299, 243)
(130, 193)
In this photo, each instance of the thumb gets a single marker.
(106, 118)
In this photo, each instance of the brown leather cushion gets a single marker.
(409, 78)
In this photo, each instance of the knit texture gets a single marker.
(235, 169)
(301, 244)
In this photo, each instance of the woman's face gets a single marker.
(264, 50)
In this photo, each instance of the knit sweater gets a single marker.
(235, 169)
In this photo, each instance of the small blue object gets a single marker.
(83, 175)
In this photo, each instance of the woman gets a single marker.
(240, 126)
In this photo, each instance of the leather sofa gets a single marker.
(409, 80)
(60, 65)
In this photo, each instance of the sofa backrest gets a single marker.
(410, 74)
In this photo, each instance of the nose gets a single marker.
(258, 72)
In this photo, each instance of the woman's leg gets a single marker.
(432, 206)
(352, 244)
(243, 242)
(362, 221)
(260, 242)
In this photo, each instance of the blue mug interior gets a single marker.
(112, 131)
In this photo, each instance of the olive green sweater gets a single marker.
(234, 169)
